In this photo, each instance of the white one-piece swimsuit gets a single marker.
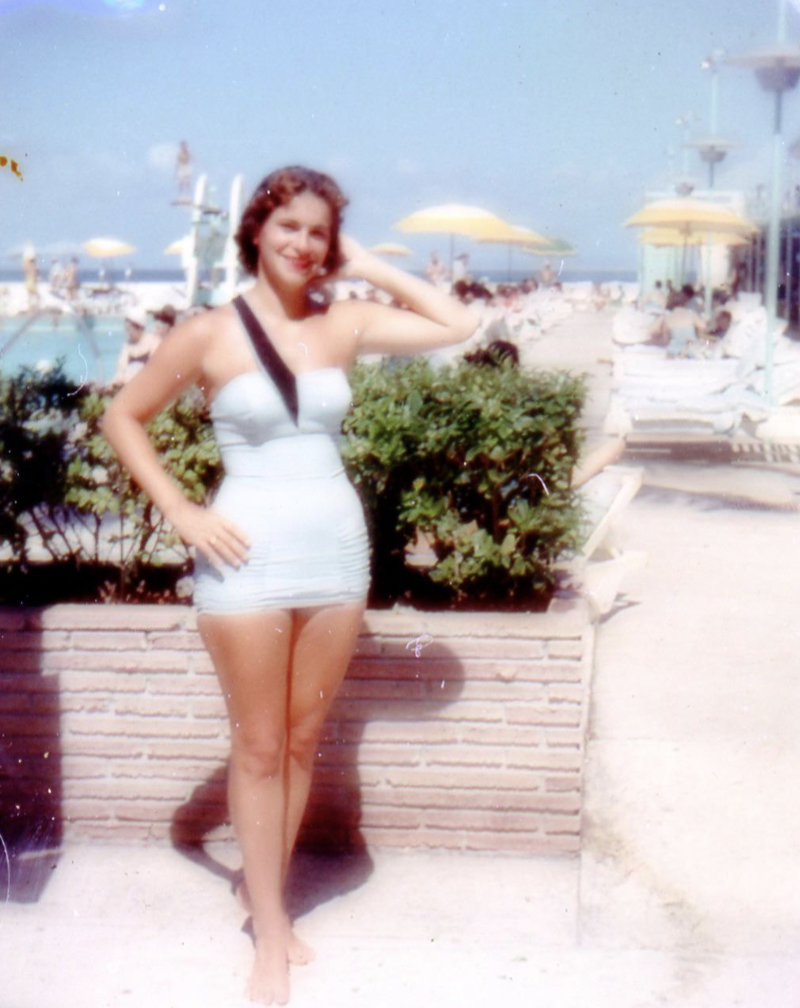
(286, 488)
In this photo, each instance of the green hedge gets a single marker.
(476, 462)
(464, 472)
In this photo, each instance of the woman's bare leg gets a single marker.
(251, 653)
(324, 644)
(323, 641)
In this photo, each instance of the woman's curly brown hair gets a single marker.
(278, 189)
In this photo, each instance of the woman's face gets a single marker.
(294, 240)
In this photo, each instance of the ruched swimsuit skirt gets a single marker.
(286, 488)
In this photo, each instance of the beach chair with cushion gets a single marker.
(602, 565)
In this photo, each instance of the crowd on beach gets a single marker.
(510, 315)
(686, 321)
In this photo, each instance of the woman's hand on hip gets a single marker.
(220, 539)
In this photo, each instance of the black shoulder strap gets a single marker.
(271, 360)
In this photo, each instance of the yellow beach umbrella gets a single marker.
(391, 249)
(456, 219)
(691, 216)
(107, 248)
(513, 235)
(668, 237)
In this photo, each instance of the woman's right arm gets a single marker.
(175, 366)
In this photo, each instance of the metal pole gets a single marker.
(773, 244)
(787, 256)
(773, 233)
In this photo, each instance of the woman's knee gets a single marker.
(260, 755)
(303, 742)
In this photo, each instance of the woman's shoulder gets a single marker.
(206, 323)
(339, 324)
(193, 337)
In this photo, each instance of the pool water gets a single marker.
(90, 350)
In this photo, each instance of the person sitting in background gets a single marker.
(469, 291)
(681, 325)
(164, 319)
(599, 296)
(697, 297)
(139, 347)
(720, 324)
(655, 301)
(31, 273)
(436, 271)
(546, 275)
(71, 281)
(461, 269)
(55, 277)
(496, 353)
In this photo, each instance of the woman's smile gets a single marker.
(296, 237)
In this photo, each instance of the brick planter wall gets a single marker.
(452, 730)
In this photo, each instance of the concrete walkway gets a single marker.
(687, 892)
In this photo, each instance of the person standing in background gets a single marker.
(183, 172)
(31, 273)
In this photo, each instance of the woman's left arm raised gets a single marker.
(430, 318)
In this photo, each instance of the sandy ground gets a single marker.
(687, 891)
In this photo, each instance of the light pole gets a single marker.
(684, 184)
(712, 149)
(777, 70)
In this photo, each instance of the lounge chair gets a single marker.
(602, 566)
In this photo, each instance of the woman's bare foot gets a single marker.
(298, 952)
(269, 981)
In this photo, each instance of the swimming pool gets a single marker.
(89, 347)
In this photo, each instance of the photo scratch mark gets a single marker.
(84, 376)
(7, 162)
(419, 643)
(538, 477)
(7, 899)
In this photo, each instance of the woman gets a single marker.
(138, 348)
(681, 325)
(282, 571)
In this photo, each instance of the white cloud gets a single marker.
(161, 156)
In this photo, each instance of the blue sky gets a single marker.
(555, 115)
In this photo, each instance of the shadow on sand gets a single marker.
(31, 813)
(332, 856)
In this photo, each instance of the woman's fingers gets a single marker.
(225, 542)
(220, 539)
